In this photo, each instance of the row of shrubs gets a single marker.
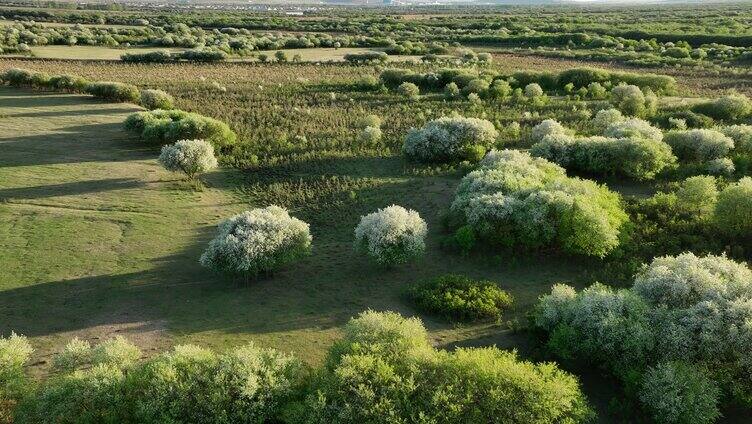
(162, 56)
(679, 338)
(106, 90)
(581, 77)
(169, 126)
(384, 369)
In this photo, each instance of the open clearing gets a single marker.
(97, 239)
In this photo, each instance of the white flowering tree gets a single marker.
(391, 236)
(191, 157)
(548, 127)
(257, 241)
(450, 139)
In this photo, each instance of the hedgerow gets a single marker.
(114, 91)
(634, 157)
(731, 107)
(385, 370)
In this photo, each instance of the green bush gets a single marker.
(449, 139)
(69, 83)
(460, 298)
(167, 127)
(114, 91)
(732, 107)
(733, 212)
(156, 99)
(680, 393)
(14, 355)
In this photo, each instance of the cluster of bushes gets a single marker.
(169, 126)
(109, 383)
(516, 201)
(678, 338)
(632, 148)
(562, 82)
(383, 370)
(450, 139)
(366, 57)
(460, 298)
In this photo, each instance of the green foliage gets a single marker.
(733, 212)
(14, 355)
(731, 107)
(114, 91)
(679, 393)
(449, 139)
(699, 145)
(167, 127)
(413, 380)
(409, 90)
(515, 201)
(156, 99)
(460, 298)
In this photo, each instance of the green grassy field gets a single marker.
(98, 240)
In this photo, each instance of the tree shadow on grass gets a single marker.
(70, 189)
(77, 112)
(18, 98)
(74, 144)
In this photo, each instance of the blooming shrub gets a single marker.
(699, 145)
(409, 90)
(169, 126)
(369, 136)
(391, 236)
(460, 298)
(384, 370)
(631, 100)
(515, 200)
(533, 90)
(78, 354)
(257, 241)
(686, 308)
(369, 121)
(605, 118)
(546, 128)
(742, 136)
(675, 392)
(636, 158)
(633, 128)
(727, 108)
(721, 167)
(190, 157)
(733, 212)
(449, 139)
(156, 99)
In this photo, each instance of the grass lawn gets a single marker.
(92, 52)
(97, 240)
